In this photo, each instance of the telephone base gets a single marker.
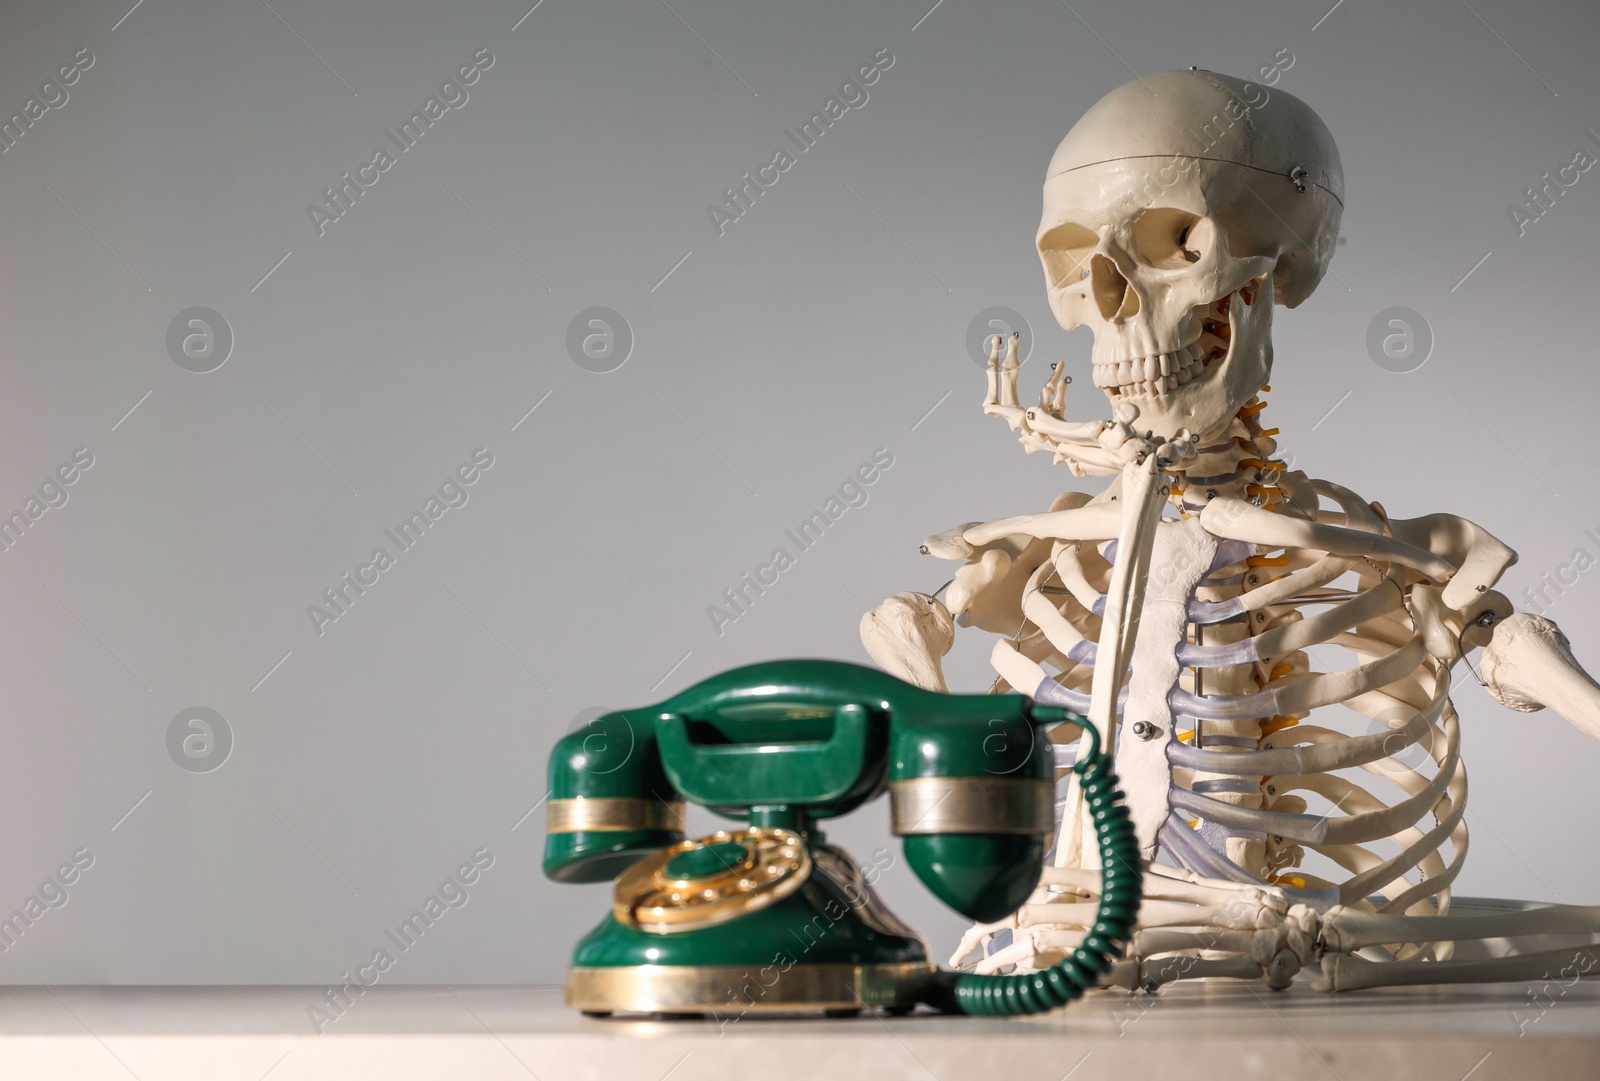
(724, 992)
(826, 944)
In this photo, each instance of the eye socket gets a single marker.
(1170, 239)
(1066, 250)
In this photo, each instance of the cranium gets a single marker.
(1177, 211)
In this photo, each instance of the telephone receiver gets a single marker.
(770, 917)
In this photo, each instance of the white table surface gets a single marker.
(1223, 1031)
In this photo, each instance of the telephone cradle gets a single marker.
(771, 918)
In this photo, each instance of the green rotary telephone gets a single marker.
(771, 918)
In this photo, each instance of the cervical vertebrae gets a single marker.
(1196, 642)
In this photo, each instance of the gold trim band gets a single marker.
(972, 805)
(601, 814)
(730, 991)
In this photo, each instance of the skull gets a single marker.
(1177, 211)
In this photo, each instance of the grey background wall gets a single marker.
(363, 760)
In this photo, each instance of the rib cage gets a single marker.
(1255, 623)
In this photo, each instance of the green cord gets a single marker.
(1121, 888)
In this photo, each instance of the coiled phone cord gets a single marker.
(1121, 887)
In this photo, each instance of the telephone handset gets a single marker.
(771, 917)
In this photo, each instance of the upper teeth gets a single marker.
(1154, 374)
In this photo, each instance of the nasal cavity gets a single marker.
(1112, 294)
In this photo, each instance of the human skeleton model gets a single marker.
(1181, 608)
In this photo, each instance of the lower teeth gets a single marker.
(1183, 367)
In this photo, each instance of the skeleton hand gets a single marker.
(1119, 436)
(1123, 440)
(1101, 446)
(1181, 448)
(1041, 427)
(1001, 399)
